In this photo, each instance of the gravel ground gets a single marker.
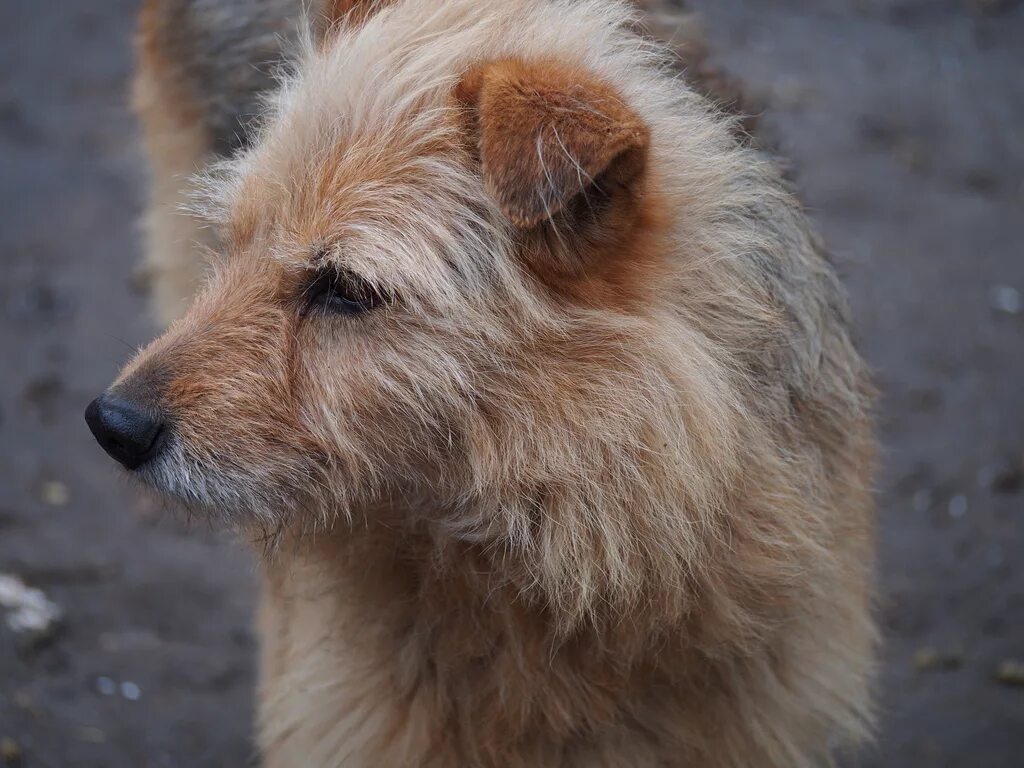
(902, 121)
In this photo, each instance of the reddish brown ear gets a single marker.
(546, 133)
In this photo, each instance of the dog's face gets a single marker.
(415, 311)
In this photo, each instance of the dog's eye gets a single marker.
(342, 292)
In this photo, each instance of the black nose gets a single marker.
(126, 430)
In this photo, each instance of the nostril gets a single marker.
(128, 431)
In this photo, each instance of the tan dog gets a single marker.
(535, 380)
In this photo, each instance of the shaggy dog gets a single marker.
(533, 379)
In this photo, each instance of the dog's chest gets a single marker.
(328, 693)
(359, 669)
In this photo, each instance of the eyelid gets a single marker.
(352, 289)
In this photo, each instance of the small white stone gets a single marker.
(55, 493)
(1006, 299)
(130, 690)
(28, 608)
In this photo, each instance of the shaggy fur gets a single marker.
(591, 486)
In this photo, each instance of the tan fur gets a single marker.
(592, 486)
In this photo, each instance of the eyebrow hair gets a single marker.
(318, 255)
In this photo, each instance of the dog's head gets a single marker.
(443, 295)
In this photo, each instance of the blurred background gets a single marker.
(125, 636)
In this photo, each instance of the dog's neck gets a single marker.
(378, 644)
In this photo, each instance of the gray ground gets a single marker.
(903, 121)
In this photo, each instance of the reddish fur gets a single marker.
(548, 136)
(549, 131)
(347, 12)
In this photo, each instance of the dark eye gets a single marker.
(341, 292)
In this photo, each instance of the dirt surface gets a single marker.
(902, 120)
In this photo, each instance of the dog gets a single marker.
(531, 380)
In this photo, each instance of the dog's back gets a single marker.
(203, 68)
(214, 59)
